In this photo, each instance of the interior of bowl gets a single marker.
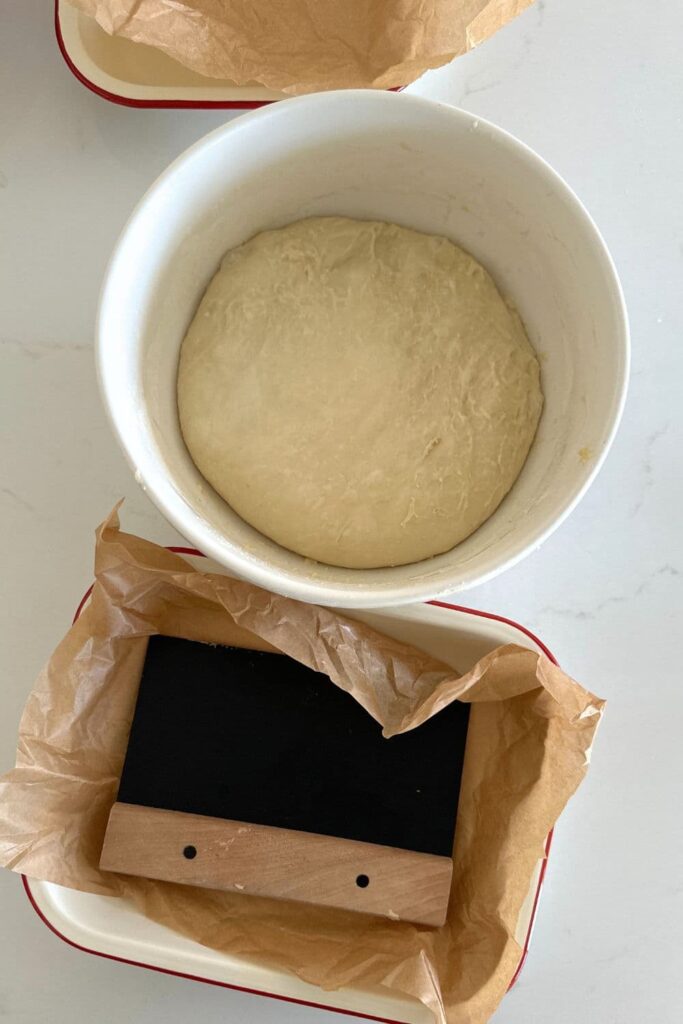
(385, 157)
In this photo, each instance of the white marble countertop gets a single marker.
(597, 89)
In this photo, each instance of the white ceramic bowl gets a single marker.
(389, 157)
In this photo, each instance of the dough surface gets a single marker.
(357, 391)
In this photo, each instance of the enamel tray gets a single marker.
(110, 927)
(136, 75)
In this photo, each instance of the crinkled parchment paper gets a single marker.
(531, 730)
(304, 45)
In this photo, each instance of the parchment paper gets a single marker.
(529, 741)
(306, 45)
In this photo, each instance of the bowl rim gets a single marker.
(223, 549)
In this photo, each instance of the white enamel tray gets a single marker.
(136, 75)
(110, 927)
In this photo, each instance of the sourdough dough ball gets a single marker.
(357, 391)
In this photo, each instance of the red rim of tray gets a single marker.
(272, 995)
